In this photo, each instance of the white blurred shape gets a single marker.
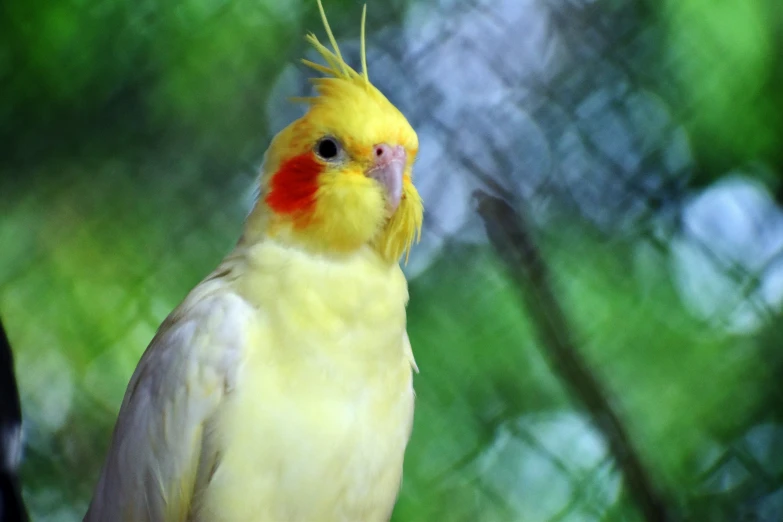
(538, 464)
(476, 54)
(47, 388)
(446, 197)
(730, 476)
(726, 468)
(604, 157)
(765, 444)
(12, 444)
(732, 234)
(771, 507)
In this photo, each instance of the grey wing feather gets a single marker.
(158, 454)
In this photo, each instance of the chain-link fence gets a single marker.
(607, 348)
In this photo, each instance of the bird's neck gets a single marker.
(262, 226)
(263, 265)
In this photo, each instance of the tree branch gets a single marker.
(510, 235)
(12, 507)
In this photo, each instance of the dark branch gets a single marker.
(11, 505)
(511, 237)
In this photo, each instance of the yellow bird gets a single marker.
(280, 389)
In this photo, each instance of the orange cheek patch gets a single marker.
(293, 187)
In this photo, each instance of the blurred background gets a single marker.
(643, 141)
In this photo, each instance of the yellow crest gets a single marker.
(337, 68)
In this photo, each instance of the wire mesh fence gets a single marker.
(638, 143)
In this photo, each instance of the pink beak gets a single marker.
(387, 169)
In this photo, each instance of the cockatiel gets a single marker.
(281, 388)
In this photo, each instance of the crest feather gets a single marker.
(336, 66)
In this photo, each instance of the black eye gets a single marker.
(327, 148)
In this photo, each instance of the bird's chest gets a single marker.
(317, 425)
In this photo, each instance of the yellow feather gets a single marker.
(317, 66)
(317, 425)
(332, 39)
(363, 46)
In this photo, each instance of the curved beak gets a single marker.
(387, 169)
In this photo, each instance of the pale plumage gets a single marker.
(280, 390)
(248, 406)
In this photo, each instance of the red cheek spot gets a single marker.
(293, 187)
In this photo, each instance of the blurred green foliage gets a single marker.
(678, 383)
(726, 60)
(80, 73)
(132, 131)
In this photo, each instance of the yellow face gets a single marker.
(340, 177)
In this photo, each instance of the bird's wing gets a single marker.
(161, 450)
(406, 346)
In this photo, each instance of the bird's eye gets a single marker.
(328, 148)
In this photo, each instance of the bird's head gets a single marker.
(340, 177)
